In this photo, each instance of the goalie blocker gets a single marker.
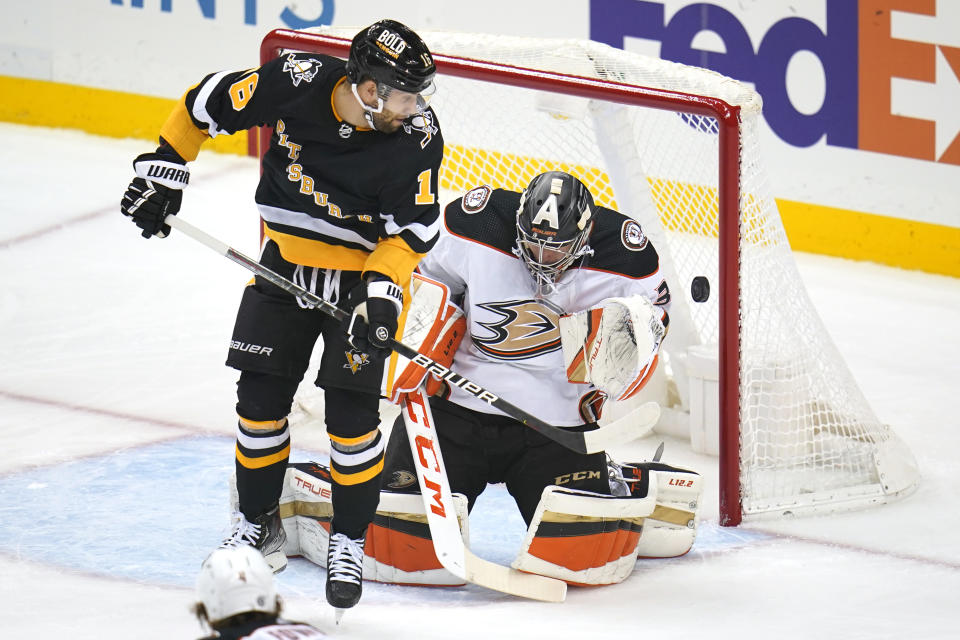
(580, 537)
(433, 326)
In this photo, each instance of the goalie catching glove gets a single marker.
(156, 192)
(614, 346)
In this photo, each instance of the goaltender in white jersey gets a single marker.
(564, 306)
(557, 304)
(513, 317)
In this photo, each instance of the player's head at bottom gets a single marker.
(235, 585)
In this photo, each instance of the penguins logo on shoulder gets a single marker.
(632, 236)
(422, 122)
(305, 70)
(476, 199)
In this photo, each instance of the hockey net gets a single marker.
(677, 148)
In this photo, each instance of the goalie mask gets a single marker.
(394, 57)
(236, 580)
(554, 222)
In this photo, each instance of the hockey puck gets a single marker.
(700, 289)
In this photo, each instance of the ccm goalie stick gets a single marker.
(627, 428)
(442, 518)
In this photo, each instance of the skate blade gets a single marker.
(277, 561)
(337, 615)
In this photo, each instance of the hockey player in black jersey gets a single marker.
(565, 304)
(237, 599)
(348, 197)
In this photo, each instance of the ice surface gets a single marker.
(116, 422)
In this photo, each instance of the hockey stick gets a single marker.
(442, 518)
(625, 429)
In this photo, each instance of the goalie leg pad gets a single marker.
(398, 549)
(584, 538)
(672, 527)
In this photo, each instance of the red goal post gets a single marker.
(715, 220)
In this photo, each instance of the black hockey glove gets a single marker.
(376, 307)
(156, 192)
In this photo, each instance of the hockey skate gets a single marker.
(265, 534)
(344, 572)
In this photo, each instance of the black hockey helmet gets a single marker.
(393, 55)
(554, 222)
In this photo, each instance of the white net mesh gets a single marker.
(808, 439)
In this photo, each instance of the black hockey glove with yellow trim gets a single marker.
(376, 305)
(156, 192)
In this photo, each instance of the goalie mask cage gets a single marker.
(677, 148)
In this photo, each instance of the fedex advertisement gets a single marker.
(889, 77)
(861, 135)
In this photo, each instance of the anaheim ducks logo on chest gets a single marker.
(523, 329)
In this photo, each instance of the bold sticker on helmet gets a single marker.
(391, 43)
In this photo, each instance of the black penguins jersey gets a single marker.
(507, 324)
(331, 195)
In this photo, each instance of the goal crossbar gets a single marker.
(795, 432)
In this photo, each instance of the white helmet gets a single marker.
(236, 580)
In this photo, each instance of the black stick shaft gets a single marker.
(569, 439)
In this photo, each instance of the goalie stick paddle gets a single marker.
(628, 427)
(442, 518)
